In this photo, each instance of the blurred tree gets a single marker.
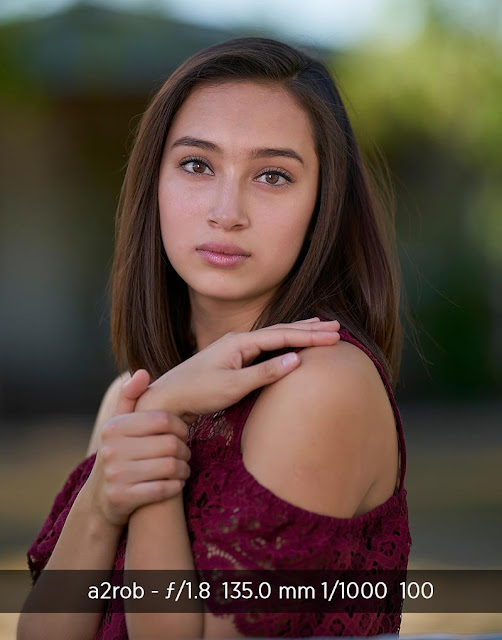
(434, 109)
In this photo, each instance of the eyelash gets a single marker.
(270, 170)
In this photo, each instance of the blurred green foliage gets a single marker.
(445, 89)
(434, 108)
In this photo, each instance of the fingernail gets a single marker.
(289, 359)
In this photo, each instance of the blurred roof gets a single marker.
(91, 49)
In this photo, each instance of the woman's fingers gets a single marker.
(166, 468)
(250, 348)
(145, 423)
(271, 338)
(131, 391)
(267, 372)
(271, 370)
(155, 491)
(304, 325)
(159, 447)
(311, 323)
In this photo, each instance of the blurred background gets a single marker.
(422, 81)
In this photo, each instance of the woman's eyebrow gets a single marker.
(255, 153)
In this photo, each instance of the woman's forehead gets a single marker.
(237, 115)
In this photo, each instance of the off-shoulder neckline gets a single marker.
(394, 501)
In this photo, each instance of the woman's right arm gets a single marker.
(87, 541)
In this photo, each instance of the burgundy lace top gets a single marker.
(236, 523)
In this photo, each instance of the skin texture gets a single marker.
(232, 199)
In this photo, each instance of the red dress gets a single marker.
(236, 523)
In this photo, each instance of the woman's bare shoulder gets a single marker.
(106, 410)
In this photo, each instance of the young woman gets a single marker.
(248, 228)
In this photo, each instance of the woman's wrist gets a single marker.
(166, 393)
(156, 397)
(86, 504)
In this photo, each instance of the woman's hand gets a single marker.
(217, 376)
(142, 458)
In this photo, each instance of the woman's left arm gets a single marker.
(157, 538)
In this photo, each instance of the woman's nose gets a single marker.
(228, 207)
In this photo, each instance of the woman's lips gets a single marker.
(221, 259)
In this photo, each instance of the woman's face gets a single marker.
(239, 166)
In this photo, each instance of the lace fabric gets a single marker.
(234, 522)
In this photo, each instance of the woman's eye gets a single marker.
(197, 165)
(276, 177)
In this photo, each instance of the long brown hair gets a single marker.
(347, 268)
